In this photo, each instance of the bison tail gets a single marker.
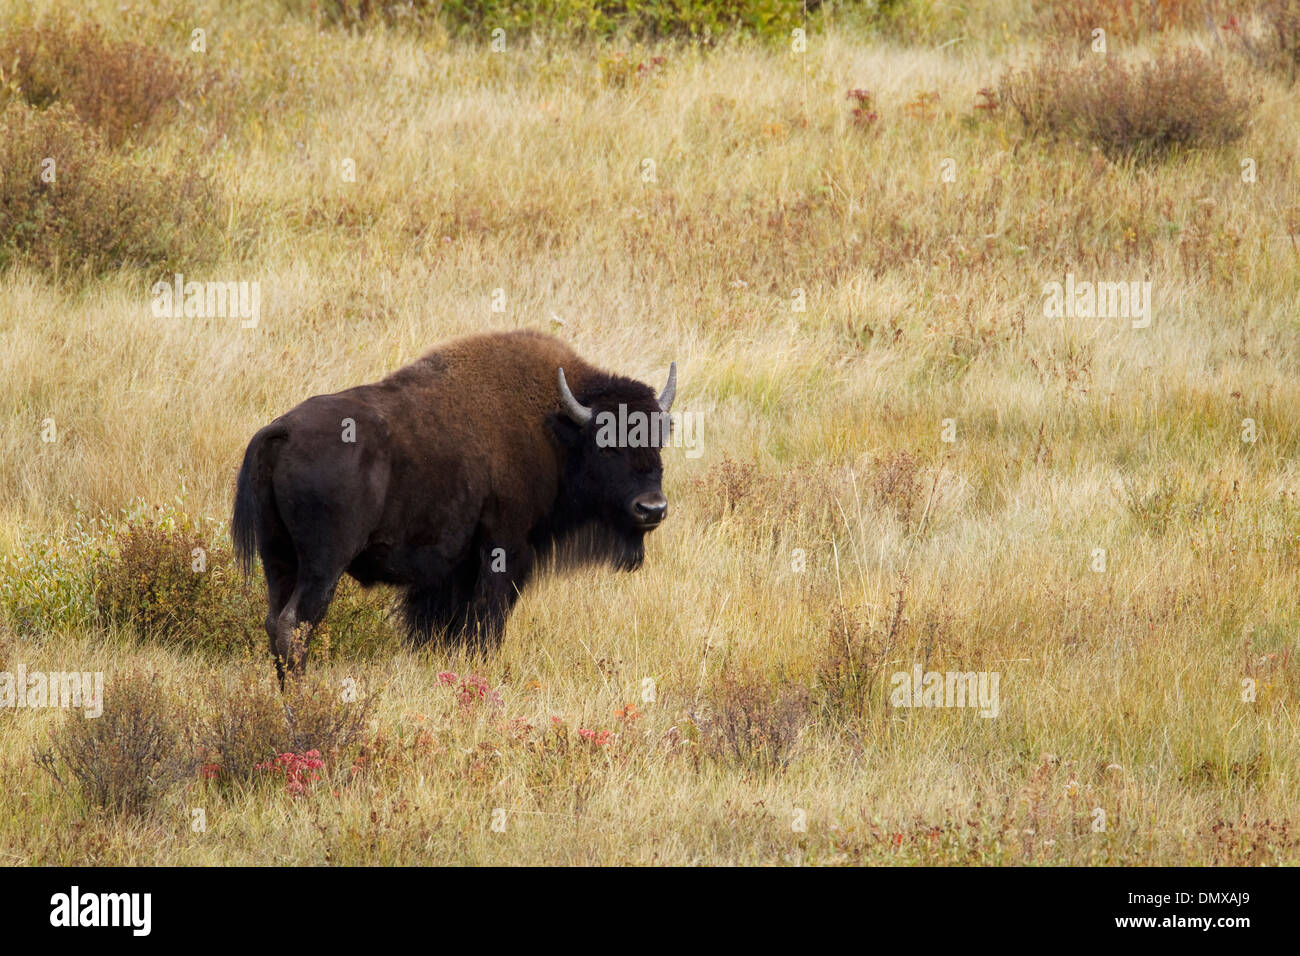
(253, 494)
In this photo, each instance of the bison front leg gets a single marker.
(503, 572)
(440, 609)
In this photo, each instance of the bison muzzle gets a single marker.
(454, 478)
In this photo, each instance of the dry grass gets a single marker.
(827, 537)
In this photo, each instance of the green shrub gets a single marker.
(167, 579)
(47, 585)
(1180, 100)
(704, 20)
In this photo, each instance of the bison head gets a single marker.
(612, 469)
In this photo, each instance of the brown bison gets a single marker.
(453, 478)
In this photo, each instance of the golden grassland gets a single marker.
(1121, 690)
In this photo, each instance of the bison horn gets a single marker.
(579, 412)
(670, 390)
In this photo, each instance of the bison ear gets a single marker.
(566, 430)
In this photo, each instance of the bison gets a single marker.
(455, 478)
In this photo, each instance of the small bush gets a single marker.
(752, 721)
(770, 504)
(240, 728)
(128, 758)
(67, 205)
(120, 88)
(1180, 100)
(864, 109)
(1158, 507)
(253, 723)
(167, 579)
(318, 717)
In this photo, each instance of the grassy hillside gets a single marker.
(905, 458)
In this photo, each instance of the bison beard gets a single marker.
(455, 479)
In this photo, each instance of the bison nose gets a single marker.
(650, 509)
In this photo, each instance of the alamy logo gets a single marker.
(208, 300)
(133, 910)
(953, 689)
(637, 429)
(1098, 300)
(66, 689)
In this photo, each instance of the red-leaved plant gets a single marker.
(471, 690)
(299, 770)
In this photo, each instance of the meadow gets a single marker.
(908, 460)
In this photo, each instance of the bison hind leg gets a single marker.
(281, 569)
(312, 593)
